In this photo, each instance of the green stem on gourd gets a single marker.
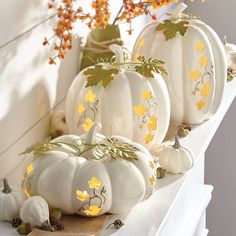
(176, 144)
(47, 226)
(6, 187)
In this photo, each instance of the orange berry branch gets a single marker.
(100, 17)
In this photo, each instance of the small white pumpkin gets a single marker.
(10, 202)
(176, 159)
(94, 179)
(230, 50)
(132, 105)
(35, 211)
(195, 61)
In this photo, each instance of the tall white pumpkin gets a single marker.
(131, 105)
(196, 66)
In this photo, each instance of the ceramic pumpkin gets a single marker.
(91, 177)
(131, 105)
(195, 60)
(176, 159)
(11, 200)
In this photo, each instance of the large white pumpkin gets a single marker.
(93, 183)
(131, 105)
(195, 62)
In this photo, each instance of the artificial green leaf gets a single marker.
(98, 74)
(36, 146)
(122, 150)
(171, 28)
(147, 66)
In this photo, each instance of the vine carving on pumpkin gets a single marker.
(88, 207)
(201, 77)
(144, 111)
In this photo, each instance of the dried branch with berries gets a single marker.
(68, 13)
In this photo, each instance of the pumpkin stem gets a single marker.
(6, 187)
(176, 144)
(117, 50)
(47, 226)
(179, 10)
(92, 134)
(225, 40)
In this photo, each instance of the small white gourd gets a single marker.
(176, 159)
(35, 211)
(230, 50)
(11, 200)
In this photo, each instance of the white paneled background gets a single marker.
(30, 88)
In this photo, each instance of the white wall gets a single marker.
(30, 88)
(220, 156)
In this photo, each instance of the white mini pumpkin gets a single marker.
(95, 182)
(35, 211)
(131, 105)
(230, 50)
(10, 202)
(176, 159)
(195, 62)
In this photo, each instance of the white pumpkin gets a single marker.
(230, 50)
(35, 211)
(176, 159)
(195, 62)
(10, 202)
(131, 105)
(93, 182)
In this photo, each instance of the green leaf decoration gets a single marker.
(99, 74)
(147, 66)
(171, 28)
(117, 149)
(111, 148)
(40, 148)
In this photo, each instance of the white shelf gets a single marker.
(157, 214)
(152, 217)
